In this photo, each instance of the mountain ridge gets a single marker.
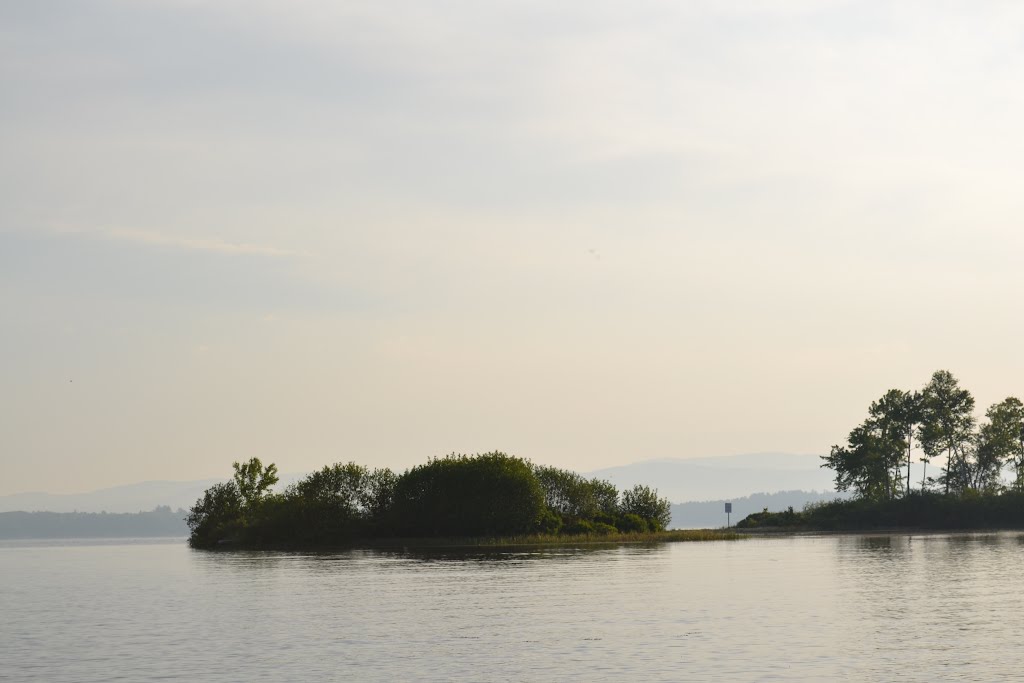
(722, 477)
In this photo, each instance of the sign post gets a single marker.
(728, 514)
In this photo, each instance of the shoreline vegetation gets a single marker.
(970, 491)
(484, 500)
(933, 512)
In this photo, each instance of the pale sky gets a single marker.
(586, 233)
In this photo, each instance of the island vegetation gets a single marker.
(979, 484)
(479, 499)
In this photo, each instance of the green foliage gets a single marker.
(871, 462)
(216, 516)
(231, 511)
(899, 413)
(1001, 441)
(644, 502)
(587, 506)
(633, 523)
(458, 495)
(941, 415)
(894, 417)
(336, 485)
(947, 427)
(578, 527)
(866, 464)
(329, 507)
(549, 522)
(378, 495)
(253, 481)
(343, 489)
(573, 497)
(605, 496)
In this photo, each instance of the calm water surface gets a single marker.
(916, 608)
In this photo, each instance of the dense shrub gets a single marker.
(458, 495)
(644, 502)
(549, 523)
(578, 526)
(571, 496)
(216, 516)
(630, 522)
(786, 518)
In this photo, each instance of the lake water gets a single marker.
(871, 608)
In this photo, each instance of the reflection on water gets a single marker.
(526, 553)
(858, 607)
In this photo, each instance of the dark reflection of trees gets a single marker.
(412, 557)
(875, 543)
(882, 544)
(873, 564)
(961, 552)
(880, 548)
(892, 546)
(960, 558)
(968, 540)
(237, 561)
(515, 555)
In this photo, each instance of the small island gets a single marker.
(478, 500)
(970, 491)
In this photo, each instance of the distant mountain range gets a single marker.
(679, 480)
(726, 477)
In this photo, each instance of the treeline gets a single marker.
(930, 510)
(491, 495)
(970, 489)
(939, 419)
(161, 521)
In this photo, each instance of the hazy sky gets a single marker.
(587, 233)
